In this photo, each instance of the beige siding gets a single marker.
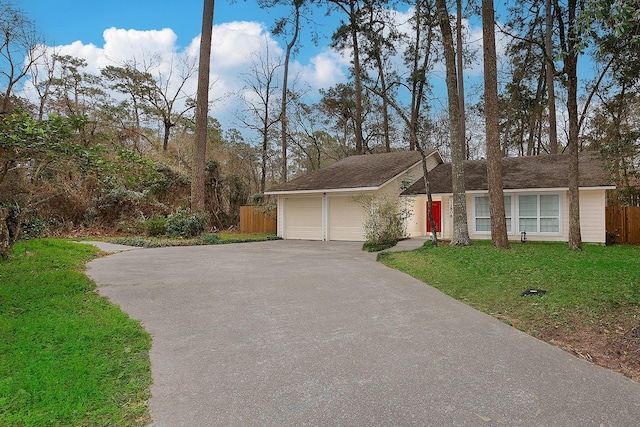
(416, 206)
(346, 219)
(303, 218)
(592, 216)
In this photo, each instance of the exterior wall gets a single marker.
(342, 217)
(593, 205)
(592, 216)
(417, 223)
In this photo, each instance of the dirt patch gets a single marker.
(613, 343)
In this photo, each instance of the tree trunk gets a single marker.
(499, 237)
(427, 187)
(285, 87)
(550, 72)
(460, 236)
(571, 69)
(5, 236)
(358, 119)
(202, 111)
(460, 63)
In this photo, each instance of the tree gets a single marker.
(260, 103)
(281, 28)
(380, 38)
(499, 237)
(571, 44)
(30, 148)
(550, 78)
(202, 110)
(460, 69)
(135, 84)
(20, 49)
(347, 35)
(460, 235)
(165, 97)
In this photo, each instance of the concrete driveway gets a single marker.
(318, 333)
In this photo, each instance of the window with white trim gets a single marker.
(539, 213)
(483, 216)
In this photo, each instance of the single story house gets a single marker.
(536, 198)
(321, 205)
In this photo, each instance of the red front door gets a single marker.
(437, 216)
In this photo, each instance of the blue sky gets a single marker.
(112, 32)
(65, 21)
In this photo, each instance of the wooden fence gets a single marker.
(623, 224)
(257, 219)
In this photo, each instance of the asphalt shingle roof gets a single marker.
(363, 171)
(547, 171)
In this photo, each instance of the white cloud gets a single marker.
(235, 45)
(323, 71)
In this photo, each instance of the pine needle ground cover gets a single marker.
(67, 355)
(591, 306)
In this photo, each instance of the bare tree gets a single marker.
(20, 48)
(166, 97)
(202, 110)
(259, 99)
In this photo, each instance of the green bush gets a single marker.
(185, 224)
(33, 228)
(385, 222)
(156, 226)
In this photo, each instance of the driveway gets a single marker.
(318, 333)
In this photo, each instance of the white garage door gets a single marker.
(346, 219)
(303, 218)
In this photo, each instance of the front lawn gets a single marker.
(592, 302)
(67, 355)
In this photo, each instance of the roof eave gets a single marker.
(323, 191)
(520, 190)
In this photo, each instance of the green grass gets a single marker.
(204, 239)
(67, 355)
(593, 285)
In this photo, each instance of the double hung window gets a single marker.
(532, 213)
(483, 217)
(539, 213)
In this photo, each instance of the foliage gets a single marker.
(69, 357)
(30, 150)
(184, 223)
(156, 226)
(385, 222)
(203, 239)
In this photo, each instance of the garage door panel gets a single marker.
(346, 219)
(303, 218)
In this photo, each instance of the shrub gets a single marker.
(156, 226)
(385, 222)
(183, 223)
(33, 228)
